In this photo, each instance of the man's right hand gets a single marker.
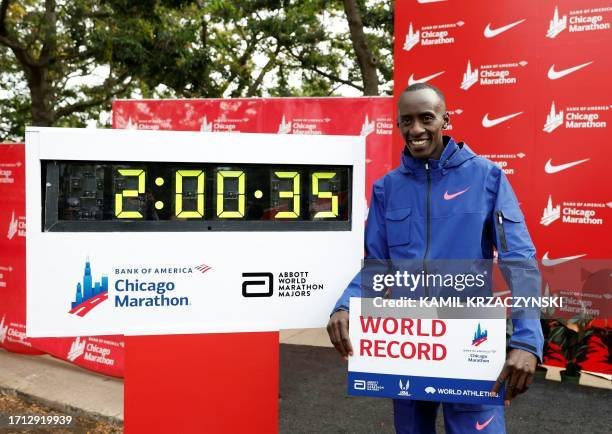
(338, 330)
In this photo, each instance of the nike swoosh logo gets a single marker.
(488, 123)
(550, 168)
(480, 427)
(454, 195)
(491, 33)
(412, 80)
(547, 262)
(554, 75)
(429, 1)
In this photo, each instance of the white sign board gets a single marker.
(148, 232)
(451, 360)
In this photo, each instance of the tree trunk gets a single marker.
(42, 111)
(365, 57)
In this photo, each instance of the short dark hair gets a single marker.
(420, 86)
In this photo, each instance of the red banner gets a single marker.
(12, 251)
(527, 87)
(104, 354)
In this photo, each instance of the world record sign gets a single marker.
(149, 232)
(423, 357)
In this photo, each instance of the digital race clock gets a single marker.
(160, 232)
(136, 196)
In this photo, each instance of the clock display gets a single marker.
(154, 196)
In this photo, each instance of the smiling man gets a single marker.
(444, 202)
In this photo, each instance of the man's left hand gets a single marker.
(517, 374)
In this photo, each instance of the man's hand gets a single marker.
(517, 374)
(338, 330)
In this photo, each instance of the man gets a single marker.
(445, 202)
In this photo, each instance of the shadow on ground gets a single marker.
(313, 399)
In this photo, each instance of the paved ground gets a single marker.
(314, 400)
(57, 384)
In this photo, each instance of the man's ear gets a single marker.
(446, 118)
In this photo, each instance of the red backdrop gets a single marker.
(104, 354)
(502, 66)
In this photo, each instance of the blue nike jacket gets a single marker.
(459, 207)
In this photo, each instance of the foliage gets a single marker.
(62, 62)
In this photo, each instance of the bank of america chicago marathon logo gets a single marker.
(3, 329)
(92, 349)
(89, 294)
(380, 126)
(7, 176)
(585, 213)
(436, 34)
(77, 348)
(505, 161)
(580, 20)
(222, 125)
(480, 336)
(576, 117)
(497, 74)
(475, 353)
(16, 226)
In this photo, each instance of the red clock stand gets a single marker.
(208, 383)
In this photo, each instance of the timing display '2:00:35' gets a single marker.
(90, 196)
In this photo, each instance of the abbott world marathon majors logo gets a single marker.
(92, 349)
(135, 287)
(436, 34)
(284, 284)
(496, 74)
(576, 117)
(583, 213)
(579, 20)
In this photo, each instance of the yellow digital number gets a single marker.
(222, 175)
(295, 194)
(119, 213)
(199, 175)
(325, 194)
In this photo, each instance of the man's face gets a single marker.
(421, 118)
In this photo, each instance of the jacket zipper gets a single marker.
(502, 232)
(428, 227)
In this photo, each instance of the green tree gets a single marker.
(62, 62)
